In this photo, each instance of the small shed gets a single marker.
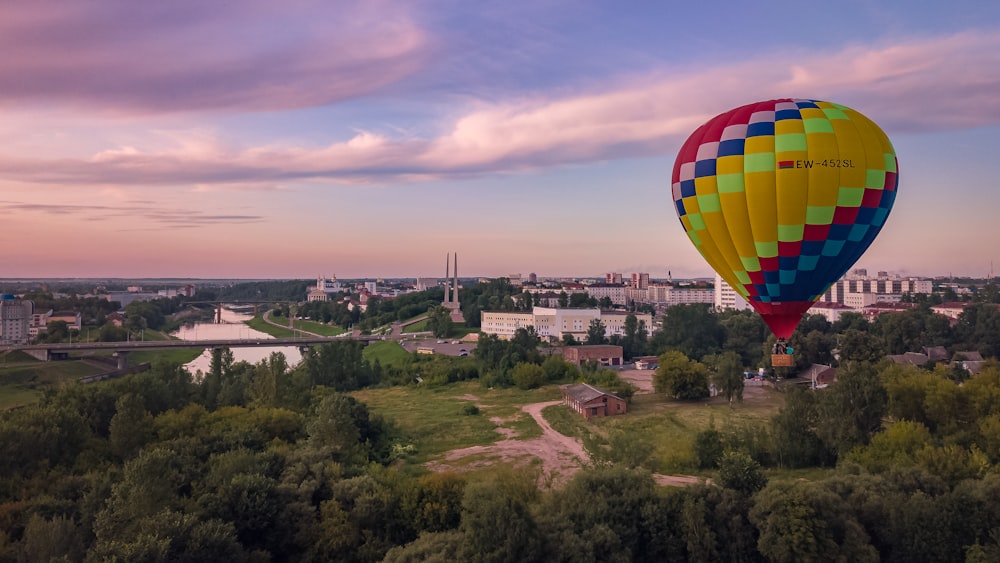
(647, 362)
(592, 402)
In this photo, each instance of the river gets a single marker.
(232, 327)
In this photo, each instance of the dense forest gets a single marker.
(269, 463)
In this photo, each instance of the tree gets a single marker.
(728, 377)
(691, 329)
(802, 522)
(56, 331)
(111, 333)
(498, 527)
(851, 409)
(740, 472)
(569, 340)
(794, 431)
(680, 377)
(859, 346)
(746, 334)
(563, 299)
(605, 303)
(527, 375)
(439, 321)
(596, 332)
(131, 426)
(634, 340)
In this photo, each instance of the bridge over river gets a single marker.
(46, 352)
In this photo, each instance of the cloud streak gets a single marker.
(152, 213)
(937, 83)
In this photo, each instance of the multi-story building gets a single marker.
(15, 318)
(640, 280)
(612, 277)
(884, 284)
(725, 297)
(555, 322)
(668, 295)
(616, 292)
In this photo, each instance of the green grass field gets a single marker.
(258, 323)
(319, 328)
(670, 426)
(433, 418)
(388, 353)
(419, 326)
(22, 382)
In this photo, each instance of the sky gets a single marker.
(297, 138)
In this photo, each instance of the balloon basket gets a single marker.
(782, 360)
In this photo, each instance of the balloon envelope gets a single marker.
(781, 197)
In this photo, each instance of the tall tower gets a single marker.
(447, 273)
(451, 301)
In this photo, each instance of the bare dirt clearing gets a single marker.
(560, 456)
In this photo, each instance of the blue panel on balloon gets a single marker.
(865, 215)
(857, 233)
(807, 263)
(680, 209)
(687, 188)
(704, 168)
(804, 105)
(839, 232)
(761, 129)
(833, 247)
(731, 147)
(787, 114)
(788, 262)
(812, 247)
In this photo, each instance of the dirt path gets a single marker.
(560, 456)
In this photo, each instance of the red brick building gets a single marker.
(592, 402)
(604, 354)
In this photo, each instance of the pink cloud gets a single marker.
(931, 84)
(191, 55)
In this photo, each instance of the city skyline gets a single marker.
(271, 140)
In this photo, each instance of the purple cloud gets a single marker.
(933, 84)
(191, 55)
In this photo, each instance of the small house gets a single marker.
(592, 402)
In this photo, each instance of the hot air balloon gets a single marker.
(781, 197)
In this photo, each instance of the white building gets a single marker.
(423, 284)
(884, 284)
(832, 311)
(669, 295)
(616, 292)
(725, 297)
(15, 318)
(555, 322)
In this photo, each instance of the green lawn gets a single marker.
(419, 326)
(319, 328)
(388, 353)
(22, 382)
(434, 421)
(671, 425)
(173, 355)
(258, 323)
